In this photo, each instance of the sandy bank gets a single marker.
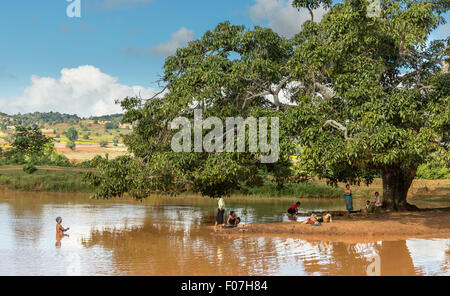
(359, 227)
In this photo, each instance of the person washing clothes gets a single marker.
(293, 210)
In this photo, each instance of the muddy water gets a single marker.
(174, 237)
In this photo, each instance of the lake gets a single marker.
(174, 236)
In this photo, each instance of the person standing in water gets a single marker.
(220, 212)
(60, 231)
(348, 198)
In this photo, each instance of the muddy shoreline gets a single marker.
(358, 227)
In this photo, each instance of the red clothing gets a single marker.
(293, 207)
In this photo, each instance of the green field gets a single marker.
(45, 179)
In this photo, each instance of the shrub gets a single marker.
(431, 172)
(29, 168)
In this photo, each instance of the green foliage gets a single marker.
(46, 179)
(103, 143)
(71, 134)
(115, 177)
(437, 168)
(111, 125)
(311, 5)
(12, 157)
(373, 97)
(299, 190)
(425, 171)
(29, 140)
(39, 119)
(30, 146)
(29, 168)
(367, 96)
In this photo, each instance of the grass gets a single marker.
(45, 179)
(298, 190)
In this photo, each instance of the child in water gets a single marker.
(59, 229)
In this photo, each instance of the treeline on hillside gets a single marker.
(111, 117)
(40, 119)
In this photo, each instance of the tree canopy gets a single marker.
(378, 96)
(360, 96)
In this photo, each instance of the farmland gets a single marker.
(95, 137)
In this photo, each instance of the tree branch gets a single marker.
(324, 90)
(337, 126)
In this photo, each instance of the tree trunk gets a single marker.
(396, 183)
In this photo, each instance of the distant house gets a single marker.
(125, 126)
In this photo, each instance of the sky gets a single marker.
(116, 48)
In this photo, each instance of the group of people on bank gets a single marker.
(371, 206)
(233, 220)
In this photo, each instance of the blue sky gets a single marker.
(116, 45)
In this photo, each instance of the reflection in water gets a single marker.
(59, 237)
(165, 238)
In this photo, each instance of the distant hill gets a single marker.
(106, 117)
(49, 118)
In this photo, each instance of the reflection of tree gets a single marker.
(165, 249)
(345, 260)
(176, 243)
(350, 259)
(27, 215)
(396, 259)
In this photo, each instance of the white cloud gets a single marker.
(83, 91)
(281, 16)
(178, 39)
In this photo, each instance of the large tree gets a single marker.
(30, 140)
(360, 95)
(373, 93)
(229, 72)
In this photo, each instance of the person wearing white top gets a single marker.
(220, 213)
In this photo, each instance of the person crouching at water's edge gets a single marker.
(348, 198)
(233, 220)
(220, 213)
(293, 210)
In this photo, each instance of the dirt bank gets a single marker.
(360, 227)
